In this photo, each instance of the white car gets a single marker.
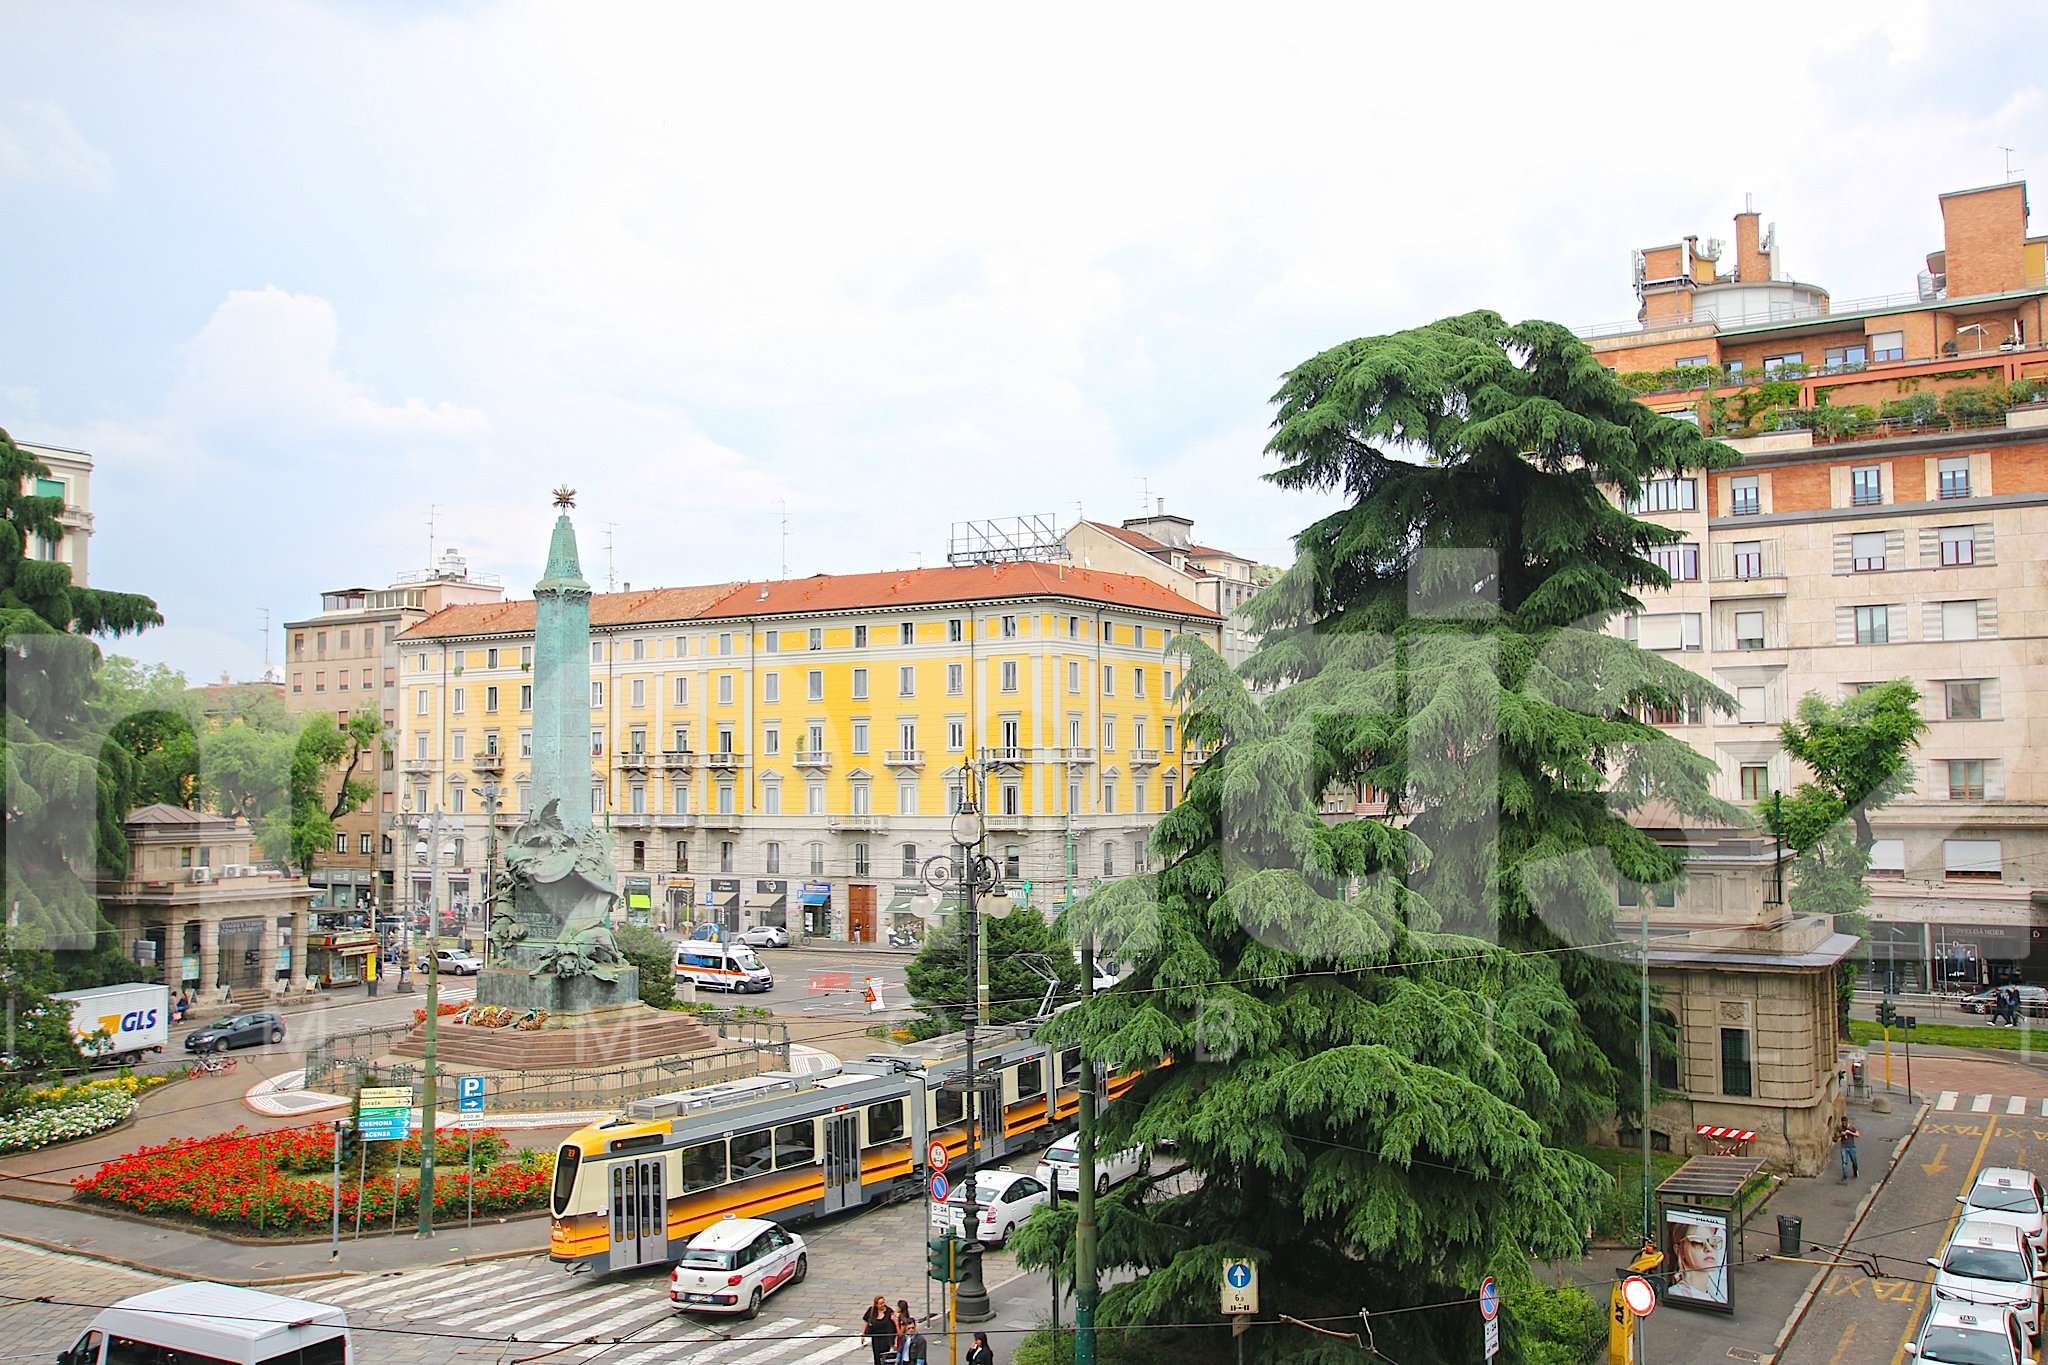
(1991, 1263)
(765, 936)
(734, 1264)
(2006, 1194)
(1966, 1334)
(454, 962)
(1006, 1199)
(1060, 1165)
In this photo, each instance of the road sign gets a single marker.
(1489, 1299)
(936, 1156)
(1240, 1288)
(384, 1125)
(469, 1094)
(1492, 1326)
(385, 1097)
(939, 1187)
(1639, 1295)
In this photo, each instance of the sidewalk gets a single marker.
(1766, 1291)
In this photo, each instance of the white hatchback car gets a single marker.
(1991, 1263)
(1965, 1334)
(1006, 1199)
(2008, 1195)
(734, 1264)
(1060, 1166)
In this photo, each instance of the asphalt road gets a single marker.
(1987, 1113)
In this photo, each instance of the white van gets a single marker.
(721, 966)
(214, 1322)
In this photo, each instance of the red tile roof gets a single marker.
(973, 583)
(1137, 540)
(652, 606)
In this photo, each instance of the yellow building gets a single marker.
(789, 752)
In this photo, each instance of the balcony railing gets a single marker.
(633, 819)
(1144, 758)
(1071, 754)
(727, 759)
(674, 819)
(1005, 754)
(1730, 565)
(488, 763)
(812, 758)
(417, 765)
(679, 759)
(905, 758)
(634, 760)
(855, 824)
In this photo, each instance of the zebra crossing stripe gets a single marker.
(551, 1301)
(832, 1352)
(380, 1284)
(506, 1285)
(743, 1343)
(501, 1296)
(1947, 1101)
(1981, 1105)
(584, 1310)
(2016, 1105)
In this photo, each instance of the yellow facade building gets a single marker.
(789, 752)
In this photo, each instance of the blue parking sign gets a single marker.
(469, 1094)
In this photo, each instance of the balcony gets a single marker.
(632, 819)
(815, 759)
(1070, 755)
(679, 760)
(856, 824)
(419, 766)
(1144, 758)
(727, 761)
(634, 761)
(488, 763)
(1006, 755)
(1006, 822)
(1759, 565)
(904, 758)
(675, 819)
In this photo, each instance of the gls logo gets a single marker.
(132, 1022)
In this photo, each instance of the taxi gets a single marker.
(734, 1264)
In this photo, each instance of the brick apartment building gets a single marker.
(1884, 522)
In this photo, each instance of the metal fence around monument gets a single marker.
(341, 1063)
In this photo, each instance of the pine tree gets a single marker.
(1022, 949)
(1385, 1032)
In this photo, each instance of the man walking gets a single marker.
(914, 1349)
(1847, 1135)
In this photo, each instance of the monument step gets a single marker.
(633, 1039)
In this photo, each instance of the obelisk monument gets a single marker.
(561, 676)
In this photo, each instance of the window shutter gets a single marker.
(1845, 625)
(1985, 550)
(1842, 555)
(1895, 549)
(1937, 778)
(1930, 546)
(1989, 696)
(1930, 618)
(1994, 779)
(1895, 624)
(1987, 618)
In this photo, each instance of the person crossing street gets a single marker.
(1847, 1135)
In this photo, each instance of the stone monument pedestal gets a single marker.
(571, 1001)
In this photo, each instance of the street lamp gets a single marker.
(430, 850)
(973, 873)
(490, 793)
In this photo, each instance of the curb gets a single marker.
(1813, 1285)
(200, 1230)
(146, 1268)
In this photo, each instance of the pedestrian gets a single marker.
(979, 1353)
(1847, 1135)
(915, 1350)
(903, 1321)
(878, 1325)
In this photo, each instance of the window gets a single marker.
(1887, 345)
(1966, 779)
(771, 739)
(1749, 559)
(725, 739)
(1866, 551)
(526, 656)
(1109, 860)
(1108, 733)
(596, 743)
(1011, 800)
(1873, 625)
(364, 845)
(814, 737)
(725, 642)
(1690, 361)
(771, 800)
(1109, 797)
(1009, 675)
(340, 843)
(860, 637)
(906, 681)
(1108, 681)
(771, 852)
(956, 735)
(725, 800)
(1749, 705)
(814, 859)
(639, 855)
(1673, 630)
(597, 696)
(1137, 682)
(725, 855)
(1745, 495)
(860, 736)
(1953, 475)
(1958, 545)
(681, 736)
(906, 796)
(1959, 620)
(491, 699)
(1756, 781)
(1682, 562)
(1964, 700)
(1971, 860)
(885, 1122)
(814, 798)
(817, 638)
(458, 696)
(909, 852)
(1735, 1061)
(1888, 858)
(526, 744)
(860, 683)
(1166, 684)
(1838, 357)
(1629, 894)
(860, 860)
(1073, 675)
(526, 696)
(1866, 485)
(955, 630)
(860, 798)
(1073, 627)
(771, 687)
(1009, 627)
(1773, 364)
(771, 642)
(907, 633)
(814, 684)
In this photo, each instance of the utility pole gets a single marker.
(1649, 1228)
(970, 1298)
(488, 794)
(1085, 1287)
(429, 1096)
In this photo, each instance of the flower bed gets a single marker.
(264, 1182)
(63, 1112)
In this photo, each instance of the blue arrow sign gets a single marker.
(469, 1093)
(939, 1187)
(1239, 1275)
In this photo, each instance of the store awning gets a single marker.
(814, 898)
(723, 899)
(765, 900)
(902, 898)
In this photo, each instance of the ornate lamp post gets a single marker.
(974, 873)
(490, 793)
(430, 851)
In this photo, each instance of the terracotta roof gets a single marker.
(1212, 551)
(653, 606)
(974, 583)
(1137, 540)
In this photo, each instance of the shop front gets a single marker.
(815, 899)
(682, 895)
(640, 901)
(241, 954)
(338, 957)
(768, 904)
(722, 904)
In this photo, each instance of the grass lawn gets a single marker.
(1866, 1033)
(1621, 1212)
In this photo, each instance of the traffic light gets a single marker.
(942, 1261)
(1887, 1013)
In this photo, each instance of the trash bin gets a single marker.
(1788, 1235)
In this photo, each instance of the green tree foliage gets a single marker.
(1022, 949)
(38, 1043)
(332, 772)
(651, 953)
(1383, 1032)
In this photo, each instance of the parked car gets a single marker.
(1967, 1334)
(705, 933)
(1060, 1165)
(237, 1030)
(2033, 1001)
(722, 967)
(734, 1264)
(455, 962)
(2008, 1195)
(765, 936)
(1006, 1199)
(1991, 1263)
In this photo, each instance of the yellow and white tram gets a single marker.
(633, 1190)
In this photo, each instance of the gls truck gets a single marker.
(117, 1025)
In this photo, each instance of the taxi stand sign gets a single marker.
(1240, 1288)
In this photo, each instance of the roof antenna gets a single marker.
(611, 577)
(265, 612)
(433, 508)
(1144, 495)
(2009, 172)
(785, 537)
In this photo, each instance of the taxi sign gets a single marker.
(936, 1156)
(1240, 1288)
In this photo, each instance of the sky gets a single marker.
(300, 276)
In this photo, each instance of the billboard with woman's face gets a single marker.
(1696, 1251)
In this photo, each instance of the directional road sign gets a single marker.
(939, 1187)
(1240, 1288)
(936, 1156)
(385, 1113)
(469, 1094)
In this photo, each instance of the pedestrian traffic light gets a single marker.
(942, 1260)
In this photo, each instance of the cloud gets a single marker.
(39, 145)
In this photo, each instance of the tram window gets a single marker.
(796, 1144)
(752, 1153)
(1070, 1068)
(703, 1166)
(566, 1162)
(885, 1122)
(1030, 1079)
(949, 1106)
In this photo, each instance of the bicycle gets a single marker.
(212, 1064)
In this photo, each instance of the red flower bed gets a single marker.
(252, 1180)
(442, 1011)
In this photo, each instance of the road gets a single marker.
(1985, 1113)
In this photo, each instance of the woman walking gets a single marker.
(979, 1353)
(878, 1325)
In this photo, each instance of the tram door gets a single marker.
(842, 1162)
(639, 1213)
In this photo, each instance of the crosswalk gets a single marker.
(625, 1319)
(1954, 1101)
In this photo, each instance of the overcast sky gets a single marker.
(293, 273)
